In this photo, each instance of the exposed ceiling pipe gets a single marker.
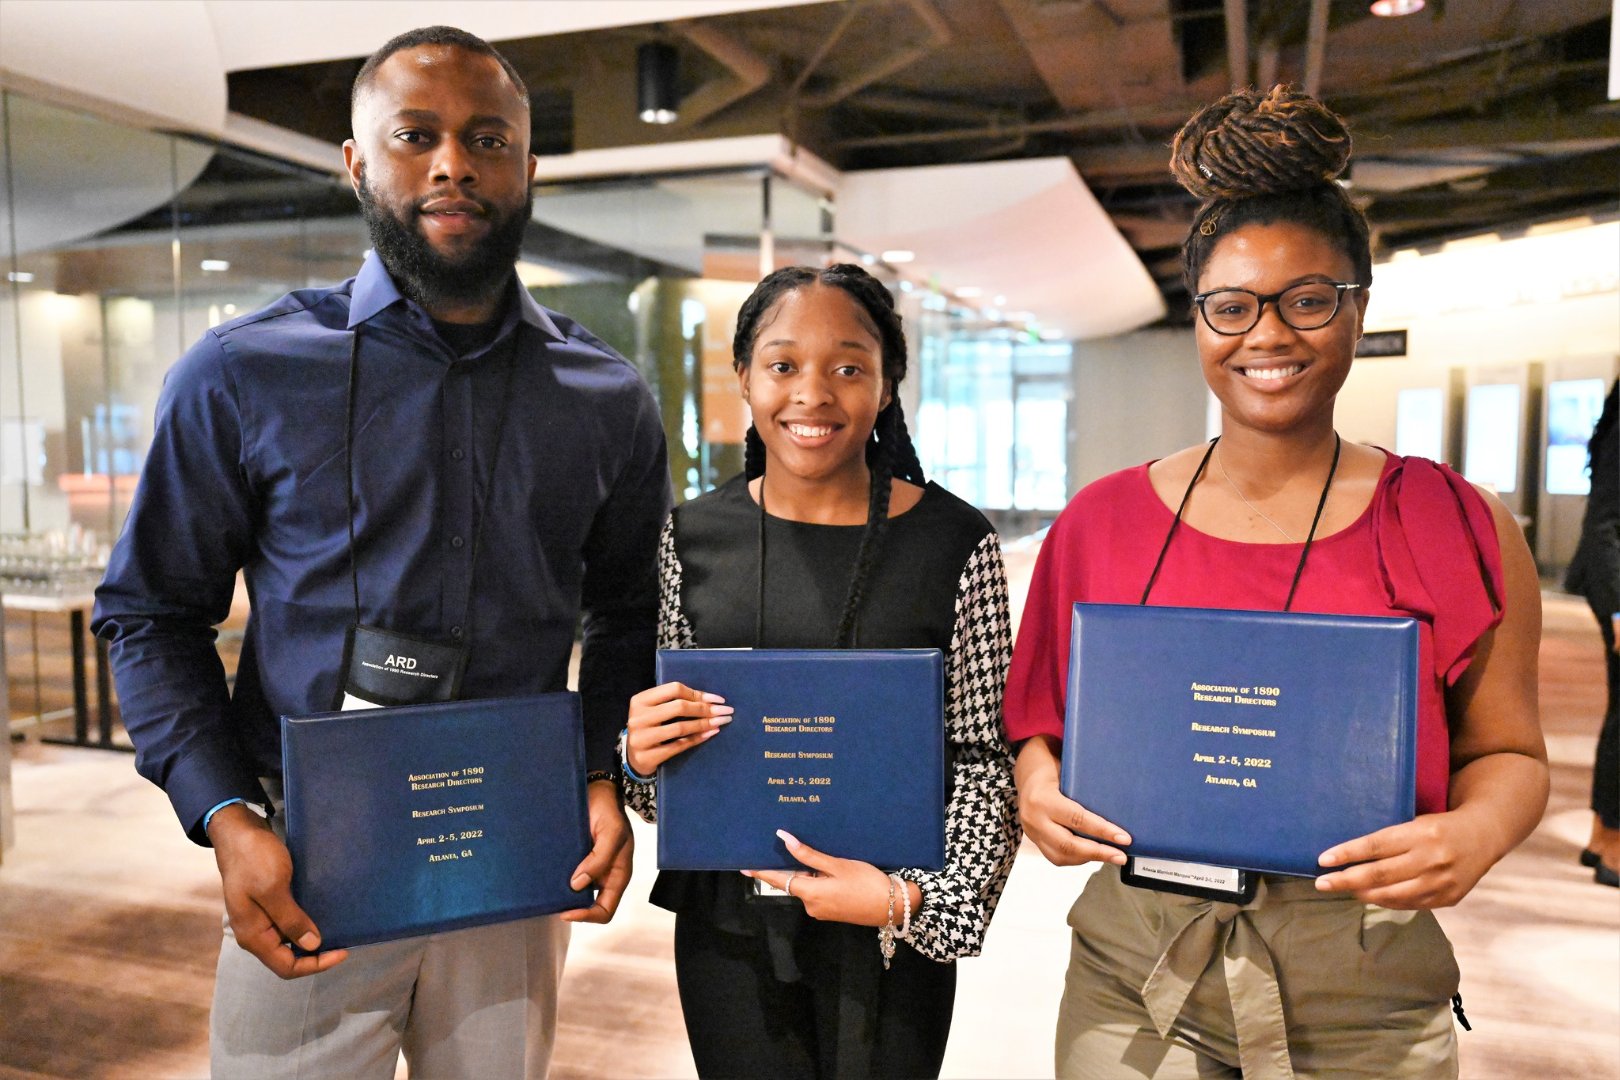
(915, 105)
(747, 73)
(1168, 116)
(1267, 62)
(939, 35)
(1316, 47)
(1237, 42)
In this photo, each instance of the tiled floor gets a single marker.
(109, 927)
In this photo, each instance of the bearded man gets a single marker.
(425, 451)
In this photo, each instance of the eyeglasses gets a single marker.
(1310, 306)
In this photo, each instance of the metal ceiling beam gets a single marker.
(1237, 42)
(939, 36)
(1504, 133)
(1316, 33)
(747, 72)
(1170, 116)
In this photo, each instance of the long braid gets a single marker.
(877, 527)
(891, 430)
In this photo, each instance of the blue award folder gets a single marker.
(843, 748)
(1248, 739)
(423, 818)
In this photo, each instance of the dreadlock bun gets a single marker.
(1247, 144)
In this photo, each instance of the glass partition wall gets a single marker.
(120, 246)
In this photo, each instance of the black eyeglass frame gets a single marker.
(1339, 289)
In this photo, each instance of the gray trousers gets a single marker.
(478, 1003)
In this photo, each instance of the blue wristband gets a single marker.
(624, 759)
(257, 809)
(210, 815)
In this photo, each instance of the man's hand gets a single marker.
(255, 871)
(608, 864)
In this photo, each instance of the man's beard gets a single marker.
(431, 279)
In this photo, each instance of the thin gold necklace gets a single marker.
(1222, 466)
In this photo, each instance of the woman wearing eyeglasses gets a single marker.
(1348, 974)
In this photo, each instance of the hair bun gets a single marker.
(1248, 144)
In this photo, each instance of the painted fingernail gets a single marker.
(310, 941)
(788, 838)
(721, 710)
(713, 698)
(579, 881)
(746, 873)
(711, 733)
(719, 721)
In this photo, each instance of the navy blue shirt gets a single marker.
(247, 471)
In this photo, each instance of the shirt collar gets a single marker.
(374, 290)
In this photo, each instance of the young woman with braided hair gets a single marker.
(831, 539)
(1347, 975)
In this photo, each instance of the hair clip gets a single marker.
(1209, 225)
(1205, 170)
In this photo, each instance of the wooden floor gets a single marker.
(109, 927)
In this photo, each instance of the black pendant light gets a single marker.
(657, 83)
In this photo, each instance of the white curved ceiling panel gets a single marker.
(73, 176)
(152, 63)
(1030, 231)
(262, 33)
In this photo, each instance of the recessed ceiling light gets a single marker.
(215, 266)
(21, 277)
(1389, 9)
(969, 292)
(899, 255)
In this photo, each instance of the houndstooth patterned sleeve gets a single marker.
(981, 821)
(674, 632)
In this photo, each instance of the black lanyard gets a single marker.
(1338, 443)
(759, 591)
(483, 505)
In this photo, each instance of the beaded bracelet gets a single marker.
(903, 931)
(886, 931)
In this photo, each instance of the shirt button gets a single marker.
(456, 541)
(457, 454)
(455, 632)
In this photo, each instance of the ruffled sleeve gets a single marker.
(1437, 550)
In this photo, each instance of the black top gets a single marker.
(910, 595)
(1594, 570)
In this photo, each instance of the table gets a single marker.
(75, 606)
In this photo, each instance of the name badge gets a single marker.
(383, 668)
(1223, 883)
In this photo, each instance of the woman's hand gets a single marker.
(668, 720)
(838, 890)
(1053, 820)
(1430, 862)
